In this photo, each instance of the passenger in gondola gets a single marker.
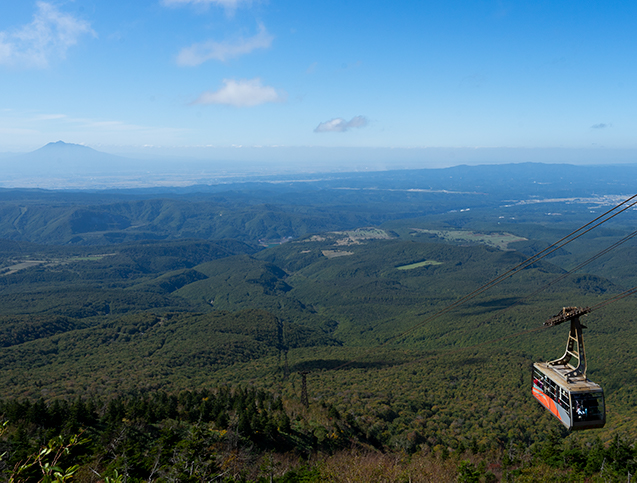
(581, 412)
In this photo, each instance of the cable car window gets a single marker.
(563, 399)
(538, 379)
(550, 388)
(588, 407)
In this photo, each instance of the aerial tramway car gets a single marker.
(563, 388)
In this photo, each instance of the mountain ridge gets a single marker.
(63, 159)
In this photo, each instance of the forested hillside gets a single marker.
(170, 333)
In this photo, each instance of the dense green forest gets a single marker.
(164, 336)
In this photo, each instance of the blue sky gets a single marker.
(171, 75)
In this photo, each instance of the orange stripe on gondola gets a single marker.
(547, 402)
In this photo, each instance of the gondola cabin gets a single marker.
(578, 404)
(562, 388)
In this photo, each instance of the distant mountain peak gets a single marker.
(60, 158)
(62, 144)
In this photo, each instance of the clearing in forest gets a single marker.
(336, 253)
(351, 237)
(497, 240)
(18, 265)
(424, 263)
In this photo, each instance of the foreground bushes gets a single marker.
(236, 434)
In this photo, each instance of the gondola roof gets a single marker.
(574, 384)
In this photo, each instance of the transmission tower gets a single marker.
(304, 399)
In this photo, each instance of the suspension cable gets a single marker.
(581, 265)
(620, 296)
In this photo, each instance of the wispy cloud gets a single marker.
(48, 36)
(341, 125)
(82, 123)
(13, 131)
(48, 117)
(199, 53)
(601, 125)
(242, 93)
(227, 4)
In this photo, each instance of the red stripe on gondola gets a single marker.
(547, 402)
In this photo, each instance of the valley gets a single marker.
(140, 299)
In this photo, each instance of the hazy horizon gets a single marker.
(60, 165)
(433, 156)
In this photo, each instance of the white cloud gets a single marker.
(199, 53)
(242, 93)
(48, 36)
(341, 125)
(227, 4)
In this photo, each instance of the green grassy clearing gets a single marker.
(424, 263)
